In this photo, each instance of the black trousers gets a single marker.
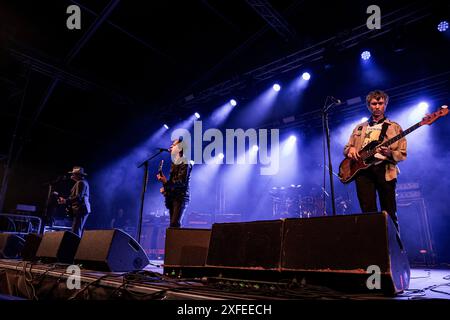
(176, 208)
(371, 181)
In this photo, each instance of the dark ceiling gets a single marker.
(133, 63)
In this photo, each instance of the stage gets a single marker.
(209, 152)
(36, 281)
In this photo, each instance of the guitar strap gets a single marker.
(383, 132)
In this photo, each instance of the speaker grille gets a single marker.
(59, 246)
(186, 247)
(351, 242)
(246, 245)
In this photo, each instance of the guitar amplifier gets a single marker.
(408, 186)
(408, 191)
(198, 220)
(205, 220)
(409, 195)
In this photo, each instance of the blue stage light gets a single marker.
(306, 76)
(276, 87)
(365, 55)
(442, 26)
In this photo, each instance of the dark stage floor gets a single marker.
(49, 282)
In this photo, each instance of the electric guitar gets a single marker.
(160, 172)
(350, 167)
(67, 207)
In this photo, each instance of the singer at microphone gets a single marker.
(169, 149)
(176, 188)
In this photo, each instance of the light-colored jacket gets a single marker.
(398, 148)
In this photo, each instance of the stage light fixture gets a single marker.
(442, 26)
(306, 76)
(365, 55)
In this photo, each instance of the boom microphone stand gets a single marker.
(50, 193)
(144, 190)
(326, 129)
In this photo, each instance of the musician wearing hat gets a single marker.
(78, 201)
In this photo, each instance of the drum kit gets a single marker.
(296, 201)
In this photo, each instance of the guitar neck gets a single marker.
(387, 143)
(429, 119)
(401, 135)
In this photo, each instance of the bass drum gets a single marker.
(312, 204)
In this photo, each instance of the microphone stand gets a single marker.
(45, 216)
(144, 190)
(47, 204)
(326, 128)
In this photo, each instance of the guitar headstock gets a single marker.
(430, 118)
(160, 166)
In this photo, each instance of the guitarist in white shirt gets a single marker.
(381, 177)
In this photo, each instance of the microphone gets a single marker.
(335, 100)
(180, 139)
(64, 176)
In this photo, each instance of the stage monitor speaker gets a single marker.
(110, 250)
(347, 245)
(10, 246)
(246, 245)
(32, 243)
(186, 247)
(58, 246)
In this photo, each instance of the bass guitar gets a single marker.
(350, 167)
